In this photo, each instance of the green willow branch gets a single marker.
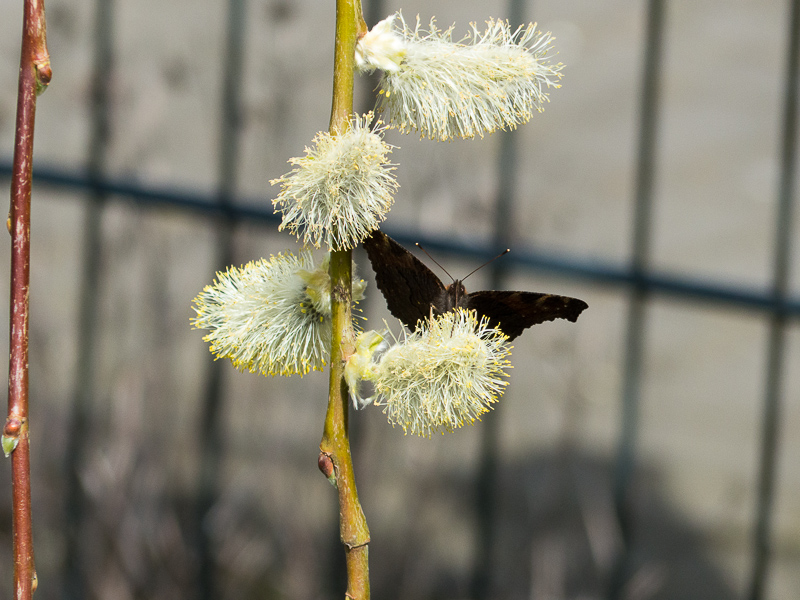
(34, 75)
(335, 456)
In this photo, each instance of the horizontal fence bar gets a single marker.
(589, 270)
(607, 273)
(199, 202)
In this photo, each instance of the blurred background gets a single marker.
(649, 451)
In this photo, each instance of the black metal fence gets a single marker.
(637, 279)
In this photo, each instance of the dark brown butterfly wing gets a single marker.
(513, 312)
(410, 288)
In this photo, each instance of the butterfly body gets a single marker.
(452, 298)
(413, 292)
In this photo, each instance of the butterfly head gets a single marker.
(456, 292)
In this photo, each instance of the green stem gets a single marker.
(350, 26)
(335, 445)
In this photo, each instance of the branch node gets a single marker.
(357, 545)
(44, 73)
(11, 434)
(13, 426)
(326, 466)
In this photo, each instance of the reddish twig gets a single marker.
(34, 75)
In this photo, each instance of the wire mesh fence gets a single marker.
(647, 452)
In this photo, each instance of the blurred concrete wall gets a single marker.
(716, 184)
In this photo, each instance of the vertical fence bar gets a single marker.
(640, 249)
(373, 12)
(778, 319)
(486, 483)
(85, 376)
(211, 431)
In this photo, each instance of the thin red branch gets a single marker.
(34, 75)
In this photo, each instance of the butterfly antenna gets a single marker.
(435, 261)
(503, 253)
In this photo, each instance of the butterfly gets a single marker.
(413, 292)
